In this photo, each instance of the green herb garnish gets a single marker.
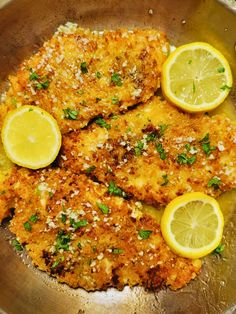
(113, 189)
(104, 208)
(115, 100)
(98, 74)
(151, 137)
(215, 183)
(161, 151)
(138, 149)
(116, 79)
(42, 85)
(102, 123)
(33, 76)
(78, 224)
(83, 67)
(57, 262)
(79, 245)
(225, 87)
(27, 226)
(221, 70)
(34, 218)
(183, 159)
(117, 251)
(98, 99)
(144, 234)
(162, 127)
(62, 241)
(165, 180)
(219, 249)
(17, 245)
(90, 169)
(206, 146)
(70, 114)
(63, 218)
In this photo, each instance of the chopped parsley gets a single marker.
(102, 123)
(27, 226)
(117, 251)
(33, 76)
(57, 262)
(98, 99)
(113, 189)
(115, 100)
(144, 234)
(165, 180)
(221, 70)
(78, 224)
(34, 218)
(116, 79)
(206, 146)
(104, 208)
(161, 151)
(187, 147)
(138, 149)
(162, 128)
(17, 245)
(62, 241)
(225, 87)
(42, 85)
(83, 67)
(79, 245)
(183, 159)
(215, 183)
(219, 249)
(63, 218)
(151, 137)
(50, 194)
(70, 114)
(90, 169)
(98, 74)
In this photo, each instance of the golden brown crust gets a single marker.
(133, 57)
(110, 252)
(125, 152)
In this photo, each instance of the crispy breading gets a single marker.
(73, 229)
(156, 152)
(91, 73)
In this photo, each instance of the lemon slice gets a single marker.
(196, 77)
(192, 225)
(31, 137)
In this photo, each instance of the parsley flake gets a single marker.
(27, 226)
(144, 234)
(161, 151)
(162, 128)
(98, 74)
(104, 208)
(33, 76)
(90, 169)
(42, 85)
(225, 87)
(83, 67)
(165, 180)
(215, 183)
(117, 251)
(183, 159)
(70, 114)
(113, 189)
(17, 245)
(63, 218)
(206, 146)
(138, 149)
(151, 137)
(62, 241)
(221, 70)
(219, 249)
(115, 100)
(78, 224)
(57, 262)
(34, 218)
(116, 79)
(102, 123)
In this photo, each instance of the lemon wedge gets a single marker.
(192, 225)
(31, 137)
(196, 77)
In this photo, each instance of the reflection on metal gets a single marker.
(24, 25)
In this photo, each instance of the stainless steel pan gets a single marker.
(24, 25)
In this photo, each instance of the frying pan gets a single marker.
(24, 25)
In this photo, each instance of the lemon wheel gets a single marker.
(196, 77)
(31, 137)
(192, 225)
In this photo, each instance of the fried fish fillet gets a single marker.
(76, 231)
(155, 152)
(79, 74)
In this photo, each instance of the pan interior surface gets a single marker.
(24, 26)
